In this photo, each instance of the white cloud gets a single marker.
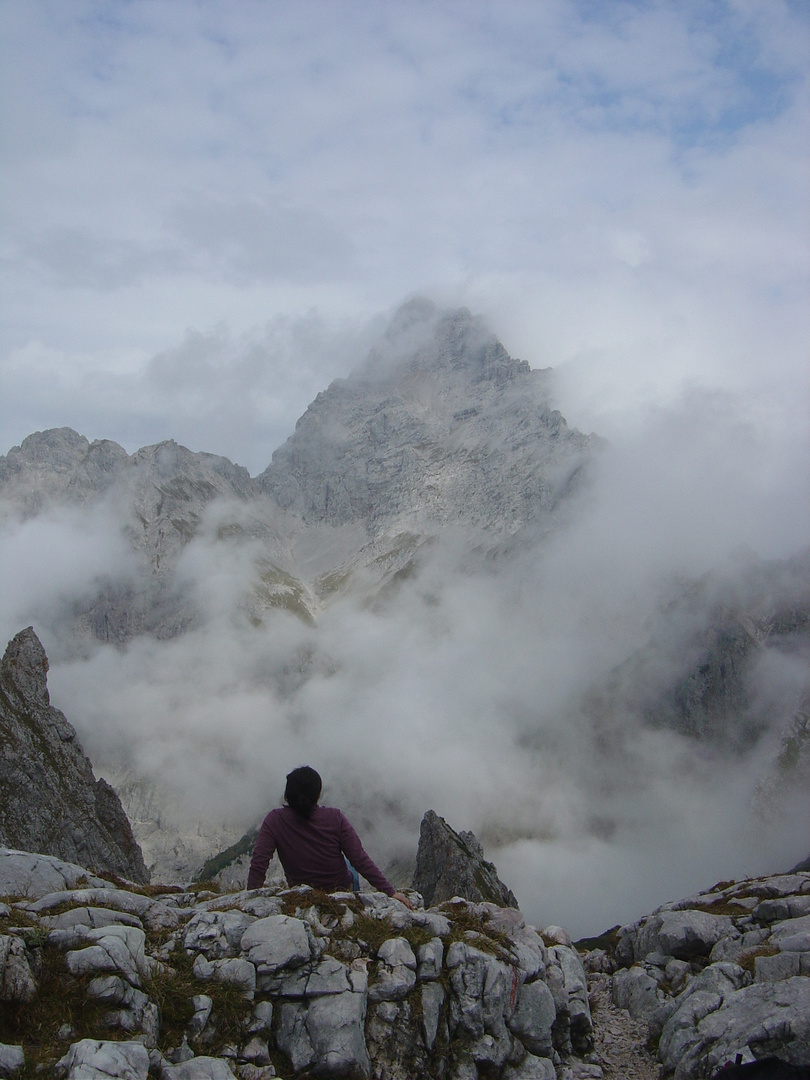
(207, 207)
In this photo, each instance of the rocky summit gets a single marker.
(49, 798)
(439, 426)
(181, 983)
(452, 864)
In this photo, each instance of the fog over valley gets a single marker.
(599, 691)
(419, 392)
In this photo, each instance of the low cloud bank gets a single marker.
(463, 691)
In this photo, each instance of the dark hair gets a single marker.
(303, 790)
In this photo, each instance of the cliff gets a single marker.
(50, 801)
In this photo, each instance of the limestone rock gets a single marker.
(216, 934)
(12, 1060)
(396, 971)
(276, 942)
(199, 1068)
(452, 864)
(722, 973)
(326, 1035)
(775, 1018)
(95, 1060)
(117, 949)
(50, 800)
(17, 981)
(159, 494)
(23, 873)
(534, 1018)
(440, 426)
(464, 1002)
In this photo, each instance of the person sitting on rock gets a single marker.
(316, 844)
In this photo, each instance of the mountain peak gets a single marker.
(424, 338)
(439, 425)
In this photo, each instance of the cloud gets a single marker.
(248, 241)
(209, 206)
(463, 690)
(53, 561)
(237, 395)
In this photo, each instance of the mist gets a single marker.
(212, 211)
(463, 689)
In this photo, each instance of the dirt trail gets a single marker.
(620, 1048)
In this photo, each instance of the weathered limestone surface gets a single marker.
(357, 985)
(330, 986)
(12, 1060)
(721, 974)
(439, 426)
(98, 1060)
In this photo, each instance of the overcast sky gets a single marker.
(206, 205)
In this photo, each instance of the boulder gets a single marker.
(198, 1068)
(276, 942)
(722, 973)
(94, 1060)
(770, 1018)
(12, 1060)
(396, 971)
(326, 1034)
(23, 873)
(216, 934)
(17, 981)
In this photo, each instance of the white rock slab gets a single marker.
(279, 941)
(94, 1060)
(25, 874)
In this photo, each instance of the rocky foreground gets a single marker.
(121, 981)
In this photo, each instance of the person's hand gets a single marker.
(403, 899)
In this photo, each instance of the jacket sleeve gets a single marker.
(356, 854)
(263, 851)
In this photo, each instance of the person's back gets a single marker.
(313, 842)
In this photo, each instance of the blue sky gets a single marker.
(207, 206)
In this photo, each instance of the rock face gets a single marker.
(441, 426)
(295, 982)
(721, 974)
(452, 864)
(700, 670)
(50, 800)
(194, 985)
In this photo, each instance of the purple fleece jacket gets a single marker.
(312, 849)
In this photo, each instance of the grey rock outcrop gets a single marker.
(340, 985)
(50, 801)
(722, 973)
(452, 864)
